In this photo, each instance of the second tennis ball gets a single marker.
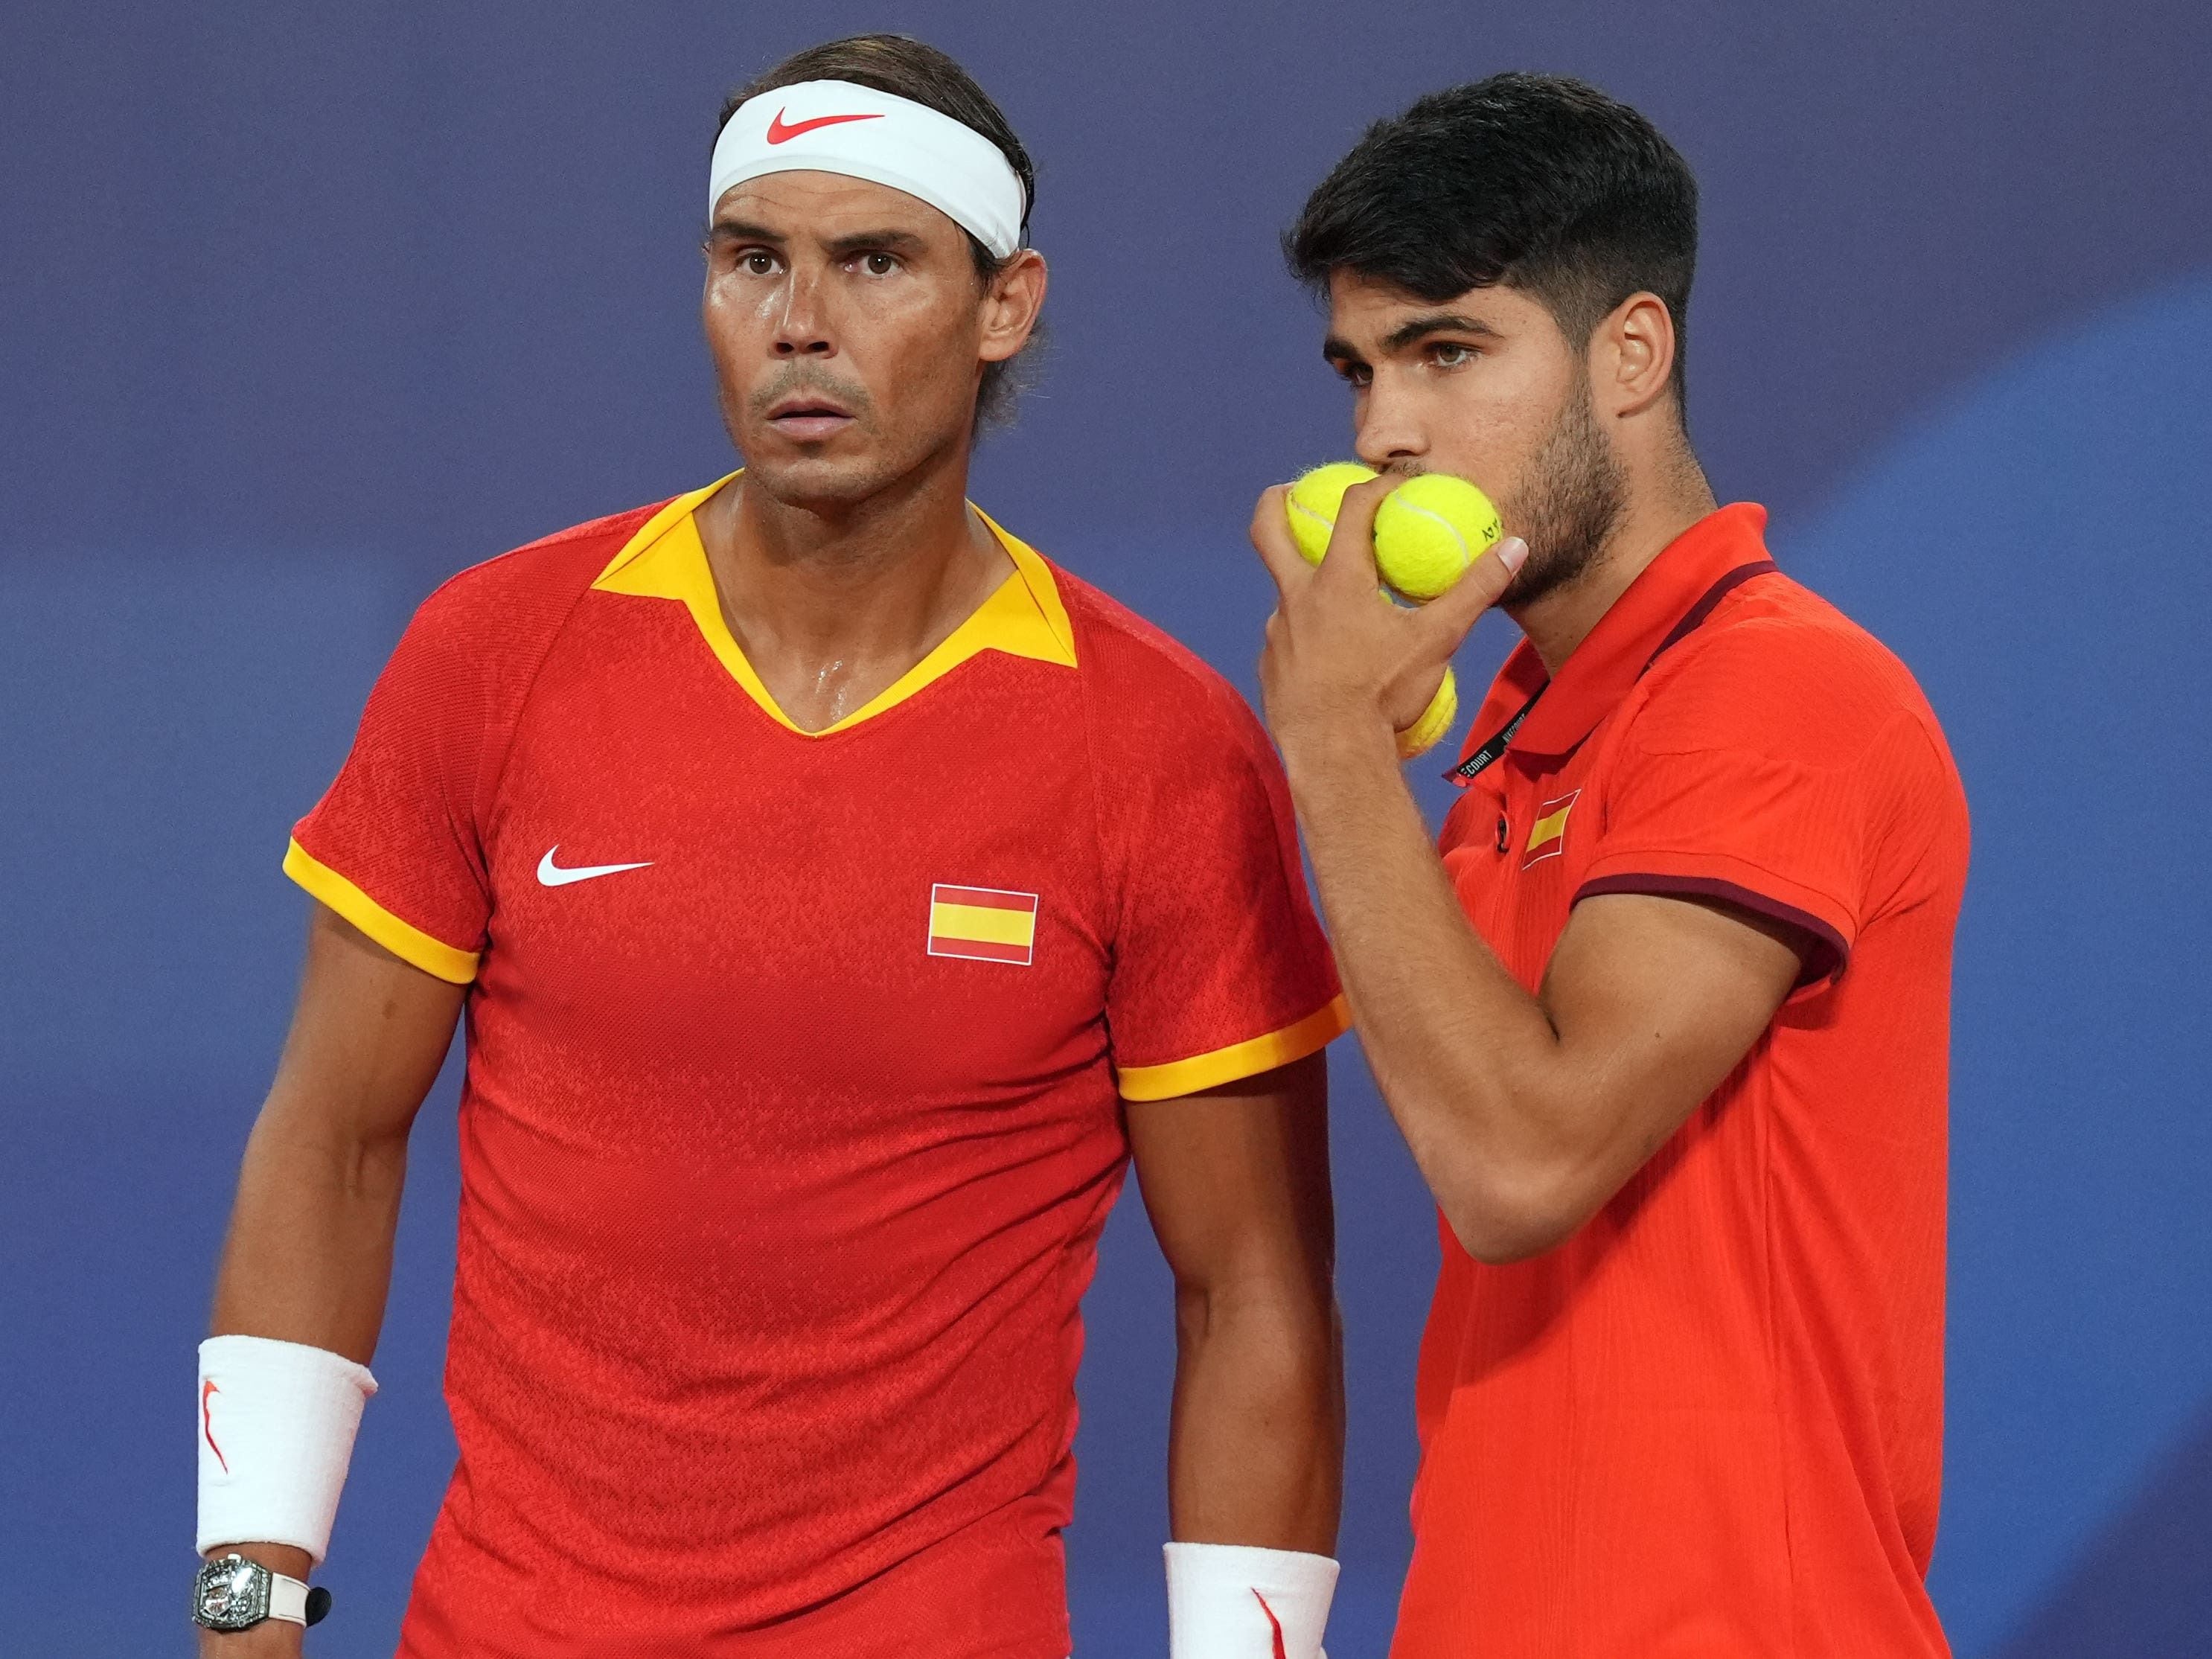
(1429, 530)
(1425, 733)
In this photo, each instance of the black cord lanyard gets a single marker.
(1491, 752)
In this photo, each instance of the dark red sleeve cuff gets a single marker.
(1823, 946)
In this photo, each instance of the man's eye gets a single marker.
(759, 262)
(1354, 373)
(1451, 356)
(878, 264)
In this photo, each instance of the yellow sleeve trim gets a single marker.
(409, 943)
(1240, 1060)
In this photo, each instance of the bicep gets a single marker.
(368, 1034)
(1236, 1179)
(1655, 1001)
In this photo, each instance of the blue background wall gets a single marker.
(301, 309)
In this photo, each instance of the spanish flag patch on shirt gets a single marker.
(1548, 836)
(982, 923)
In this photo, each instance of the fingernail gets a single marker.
(1512, 552)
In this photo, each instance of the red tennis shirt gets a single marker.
(1709, 1424)
(794, 1062)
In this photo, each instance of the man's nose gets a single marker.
(1390, 431)
(803, 331)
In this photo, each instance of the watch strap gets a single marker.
(288, 1598)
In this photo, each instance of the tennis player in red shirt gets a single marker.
(1664, 1013)
(837, 893)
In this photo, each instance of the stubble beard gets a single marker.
(892, 456)
(807, 480)
(1576, 493)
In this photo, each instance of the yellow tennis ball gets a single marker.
(1315, 500)
(1436, 720)
(1429, 530)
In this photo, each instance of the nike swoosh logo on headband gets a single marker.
(778, 133)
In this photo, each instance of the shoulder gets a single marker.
(521, 597)
(1140, 669)
(463, 670)
(1148, 692)
(1779, 670)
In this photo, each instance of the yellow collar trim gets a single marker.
(665, 560)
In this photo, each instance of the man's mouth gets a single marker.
(808, 418)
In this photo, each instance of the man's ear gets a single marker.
(1633, 354)
(1012, 306)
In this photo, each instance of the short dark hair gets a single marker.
(912, 69)
(1536, 181)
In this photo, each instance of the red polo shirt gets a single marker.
(1711, 1423)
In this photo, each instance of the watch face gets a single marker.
(231, 1594)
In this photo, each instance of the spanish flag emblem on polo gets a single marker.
(1548, 836)
(984, 924)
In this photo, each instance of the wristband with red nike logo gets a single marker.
(275, 1431)
(1240, 1601)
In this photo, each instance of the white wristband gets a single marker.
(1239, 1601)
(276, 1425)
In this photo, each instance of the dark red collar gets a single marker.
(1675, 592)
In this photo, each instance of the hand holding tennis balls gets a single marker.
(1428, 532)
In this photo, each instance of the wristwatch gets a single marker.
(231, 1593)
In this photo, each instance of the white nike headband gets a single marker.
(834, 126)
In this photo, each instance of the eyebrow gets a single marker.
(1337, 351)
(1436, 322)
(861, 240)
(741, 230)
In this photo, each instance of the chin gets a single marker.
(815, 481)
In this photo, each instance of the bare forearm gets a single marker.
(1466, 1060)
(1256, 1450)
(308, 1258)
(1526, 1113)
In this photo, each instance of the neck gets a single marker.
(833, 603)
(1653, 517)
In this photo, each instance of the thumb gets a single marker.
(1448, 617)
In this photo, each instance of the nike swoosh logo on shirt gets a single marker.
(551, 874)
(778, 133)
